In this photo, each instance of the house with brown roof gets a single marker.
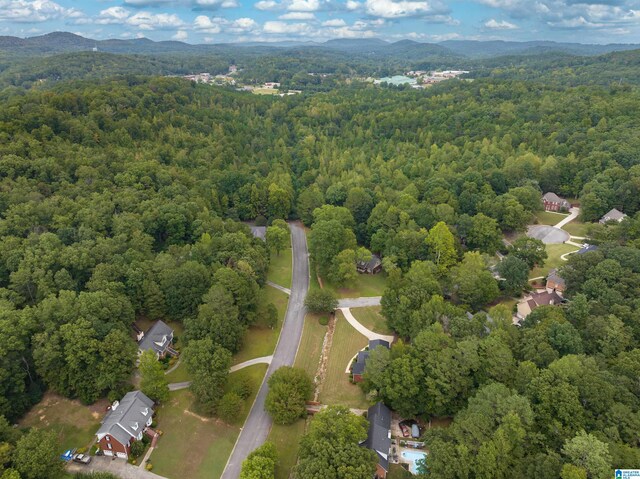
(535, 300)
(553, 202)
(555, 282)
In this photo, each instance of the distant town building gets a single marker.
(271, 85)
(613, 215)
(233, 69)
(553, 202)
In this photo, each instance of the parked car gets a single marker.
(82, 458)
(406, 432)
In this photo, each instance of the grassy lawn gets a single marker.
(287, 442)
(280, 268)
(554, 251)
(336, 388)
(254, 374)
(576, 228)
(180, 374)
(191, 446)
(265, 91)
(74, 423)
(371, 318)
(310, 345)
(549, 217)
(261, 340)
(364, 285)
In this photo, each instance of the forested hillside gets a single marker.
(121, 198)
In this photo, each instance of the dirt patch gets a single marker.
(197, 416)
(324, 357)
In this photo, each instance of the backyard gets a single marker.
(74, 423)
(336, 387)
(371, 319)
(554, 251)
(549, 217)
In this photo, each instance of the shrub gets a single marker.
(323, 320)
(149, 466)
(137, 448)
(243, 388)
(261, 220)
(321, 301)
(230, 407)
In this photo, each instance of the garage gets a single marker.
(121, 455)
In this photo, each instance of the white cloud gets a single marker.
(304, 5)
(494, 24)
(207, 25)
(297, 16)
(215, 4)
(112, 15)
(35, 11)
(336, 22)
(406, 8)
(155, 21)
(217, 25)
(181, 35)
(242, 25)
(280, 28)
(267, 5)
(353, 5)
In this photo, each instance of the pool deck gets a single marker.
(397, 458)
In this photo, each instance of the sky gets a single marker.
(217, 21)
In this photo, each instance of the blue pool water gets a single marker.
(413, 457)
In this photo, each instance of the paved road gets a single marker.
(256, 428)
(359, 302)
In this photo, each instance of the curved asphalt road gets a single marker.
(257, 426)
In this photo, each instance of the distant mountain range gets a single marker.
(64, 42)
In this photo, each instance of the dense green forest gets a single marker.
(122, 198)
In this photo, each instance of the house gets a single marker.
(359, 366)
(271, 85)
(613, 215)
(373, 266)
(534, 300)
(555, 282)
(379, 437)
(158, 338)
(553, 202)
(587, 248)
(126, 422)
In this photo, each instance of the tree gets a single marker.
(183, 288)
(279, 203)
(321, 301)
(308, 201)
(260, 463)
(515, 273)
(442, 247)
(209, 365)
(36, 455)
(331, 447)
(530, 250)
(230, 407)
(589, 453)
(473, 283)
(277, 239)
(484, 234)
(289, 389)
(326, 240)
(153, 381)
(343, 268)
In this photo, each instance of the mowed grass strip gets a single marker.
(554, 260)
(363, 285)
(371, 319)
(260, 340)
(287, 442)
(310, 347)
(194, 446)
(280, 268)
(549, 217)
(336, 388)
(74, 423)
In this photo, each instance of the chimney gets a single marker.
(115, 405)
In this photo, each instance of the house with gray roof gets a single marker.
(158, 338)
(358, 367)
(613, 215)
(126, 422)
(379, 436)
(372, 266)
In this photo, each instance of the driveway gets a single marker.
(363, 330)
(574, 214)
(257, 426)
(117, 467)
(359, 302)
(547, 234)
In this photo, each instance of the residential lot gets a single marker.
(371, 318)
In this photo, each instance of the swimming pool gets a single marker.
(413, 457)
